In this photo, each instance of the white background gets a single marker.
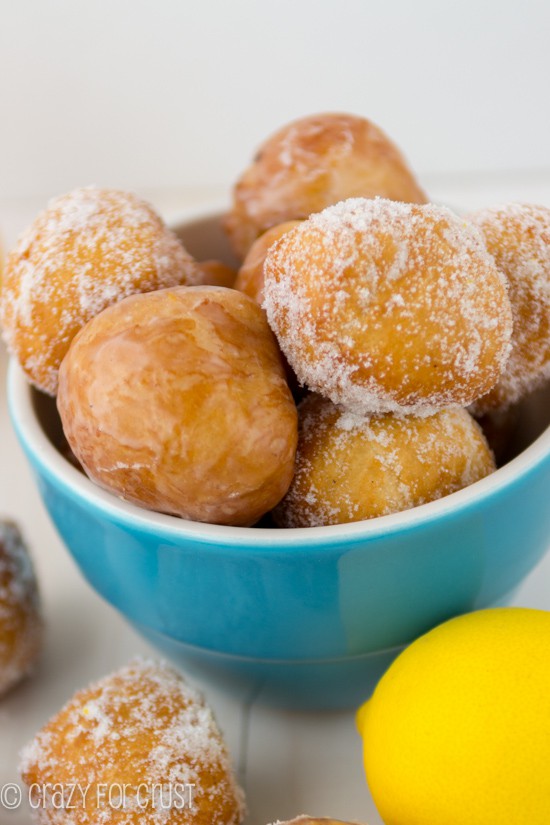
(168, 93)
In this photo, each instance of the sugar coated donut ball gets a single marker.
(218, 437)
(144, 747)
(389, 307)
(87, 250)
(518, 237)
(310, 164)
(250, 278)
(20, 616)
(351, 468)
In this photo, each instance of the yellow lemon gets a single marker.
(457, 731)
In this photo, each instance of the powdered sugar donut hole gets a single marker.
(146, 738)
(312, 163)
(21, 627)
(89, 249)
(389, 307)
(518, 237)
(351, 468)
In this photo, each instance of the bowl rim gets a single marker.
(51, 462)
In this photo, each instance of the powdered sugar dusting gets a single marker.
(87, 250)
(518, 236)
(350, 468)
(143, 724)
(389, 307)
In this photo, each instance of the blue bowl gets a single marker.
(304, 618)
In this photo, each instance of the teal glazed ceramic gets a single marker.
(304, 618)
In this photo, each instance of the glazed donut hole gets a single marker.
(351, 468)
(310, 164)
(89, 249)
(389, 307)
(518, 238)
(142, 728)
(21, 627)
(219, 439)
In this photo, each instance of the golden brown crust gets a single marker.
(351, 468)
(310, 164)
(217, 439)
(87, 250)
(389, 307)
(134, 742)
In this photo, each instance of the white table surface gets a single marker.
(289, 763)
